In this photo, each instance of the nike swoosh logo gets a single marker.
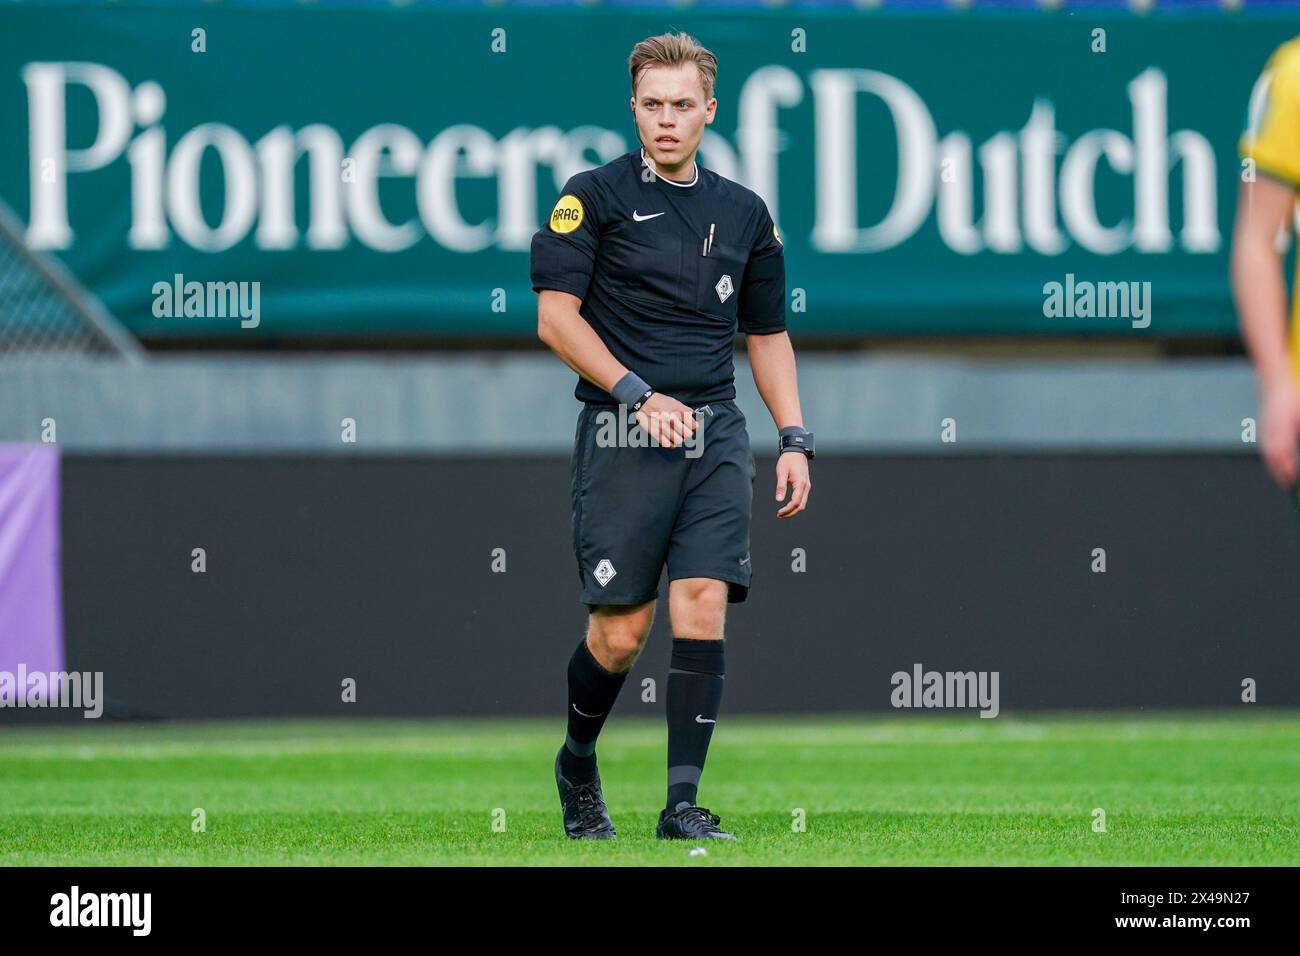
(744, 560)
(701, 719)
(575, 707)
(639, 218)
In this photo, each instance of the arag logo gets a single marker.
(567, 215)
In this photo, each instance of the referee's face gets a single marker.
(671, 113)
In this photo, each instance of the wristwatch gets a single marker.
(795, 438)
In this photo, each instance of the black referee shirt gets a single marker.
(632, 248)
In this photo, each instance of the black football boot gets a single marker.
(690, 823)
(585, 816)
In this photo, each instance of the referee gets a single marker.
(645, 271)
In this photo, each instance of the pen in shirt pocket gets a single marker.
(708, 242)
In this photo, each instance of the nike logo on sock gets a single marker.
(701, 719)
(581, 714)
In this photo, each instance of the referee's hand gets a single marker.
(666, 420)
(792, 469)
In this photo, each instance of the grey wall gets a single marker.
(522, 404)
(379, 569)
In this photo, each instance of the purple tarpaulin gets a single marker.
(31, 605)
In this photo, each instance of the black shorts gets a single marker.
(636, 509)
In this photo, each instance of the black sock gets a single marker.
(695, 678)
(592, 692)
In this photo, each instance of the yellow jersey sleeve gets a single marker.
(1272, 134)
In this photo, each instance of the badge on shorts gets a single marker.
(604, 572)
(724, 288)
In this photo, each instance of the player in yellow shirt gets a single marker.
(1265, 208)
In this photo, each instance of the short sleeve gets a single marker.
(762, 291)
(1272, 134)
(564, 249)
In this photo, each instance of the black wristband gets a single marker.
(632, 391)
(795, 438)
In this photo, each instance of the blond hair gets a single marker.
(674, 49)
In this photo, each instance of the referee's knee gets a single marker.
(617, 633)
(698, 607)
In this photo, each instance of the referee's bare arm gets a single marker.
(561, 326)
(771, 357)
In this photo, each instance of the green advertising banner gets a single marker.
(380, 171)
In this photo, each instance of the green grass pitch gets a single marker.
(1194, 788)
